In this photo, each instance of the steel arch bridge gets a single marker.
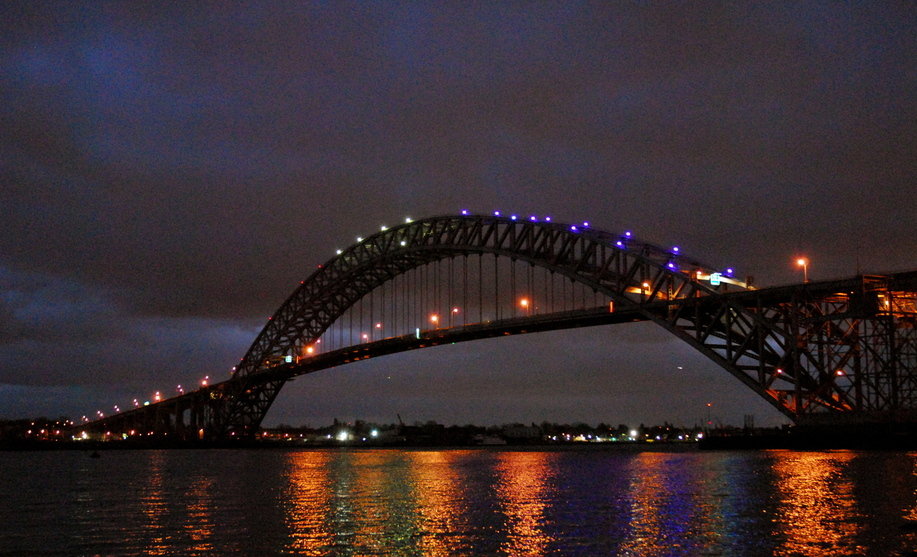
(838, 350)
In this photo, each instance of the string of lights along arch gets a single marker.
(818, 351)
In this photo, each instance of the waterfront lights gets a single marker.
(434, 319)
(496, 213)
(464, 211)
(675, 249)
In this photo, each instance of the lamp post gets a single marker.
(804, 263)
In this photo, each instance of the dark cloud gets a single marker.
(171, 167)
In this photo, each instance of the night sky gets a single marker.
(170, 172)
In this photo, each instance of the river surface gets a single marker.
(457, 502)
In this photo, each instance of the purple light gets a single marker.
(675, 249)
(464, 211)
(729, 271)
(496, 213)
(533, 219)
(586, 223)
(513, 217)
(547, 219)
(573, 228)
(619, 243)
(671, 265)
(627, 233)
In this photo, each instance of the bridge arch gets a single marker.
(636, 276)
(842, 351)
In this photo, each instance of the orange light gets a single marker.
(524, 302)
(804, 263)
(434, 318)
(310, 350)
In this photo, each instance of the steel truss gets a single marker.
(840, 348)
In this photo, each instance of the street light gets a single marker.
(524, 303)
(804, 263)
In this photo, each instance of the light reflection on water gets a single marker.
(458, 502)
(522, 489)
(813, 489)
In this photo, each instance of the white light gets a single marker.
(359, 239)
(407, 220)
(384, 228)
(403, 243)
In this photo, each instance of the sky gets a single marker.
(169, 172)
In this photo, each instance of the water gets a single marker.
(457, 502)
